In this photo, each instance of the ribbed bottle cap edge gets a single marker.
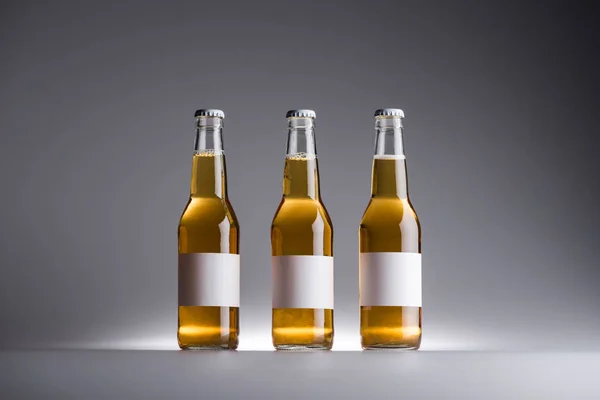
(301, 113)
(389, 112)
(209, 112)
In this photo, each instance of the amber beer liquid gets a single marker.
(390, 247)
(209, 261)
(302, 248)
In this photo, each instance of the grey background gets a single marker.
(96, 111)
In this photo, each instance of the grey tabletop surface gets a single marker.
(126, 374)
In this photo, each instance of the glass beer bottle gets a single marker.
(302, 247)
(209, 261)
(390, 247)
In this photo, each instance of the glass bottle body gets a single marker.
(302, 227)
(390, 226)
(208, 225)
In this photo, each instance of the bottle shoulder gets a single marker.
(390, 225)
(301, 211)
(389, 211)
(208, 211)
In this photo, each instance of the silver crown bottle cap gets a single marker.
(389, 112)
(301, 114)
(209, 112)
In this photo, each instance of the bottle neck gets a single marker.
(209, 176)
(389, 177)
(301, 173)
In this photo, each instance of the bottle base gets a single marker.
(208, 348)
(390, 347)
(301, 347)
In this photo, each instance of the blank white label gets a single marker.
(390, 279)
(302, 281)
(209, 279)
